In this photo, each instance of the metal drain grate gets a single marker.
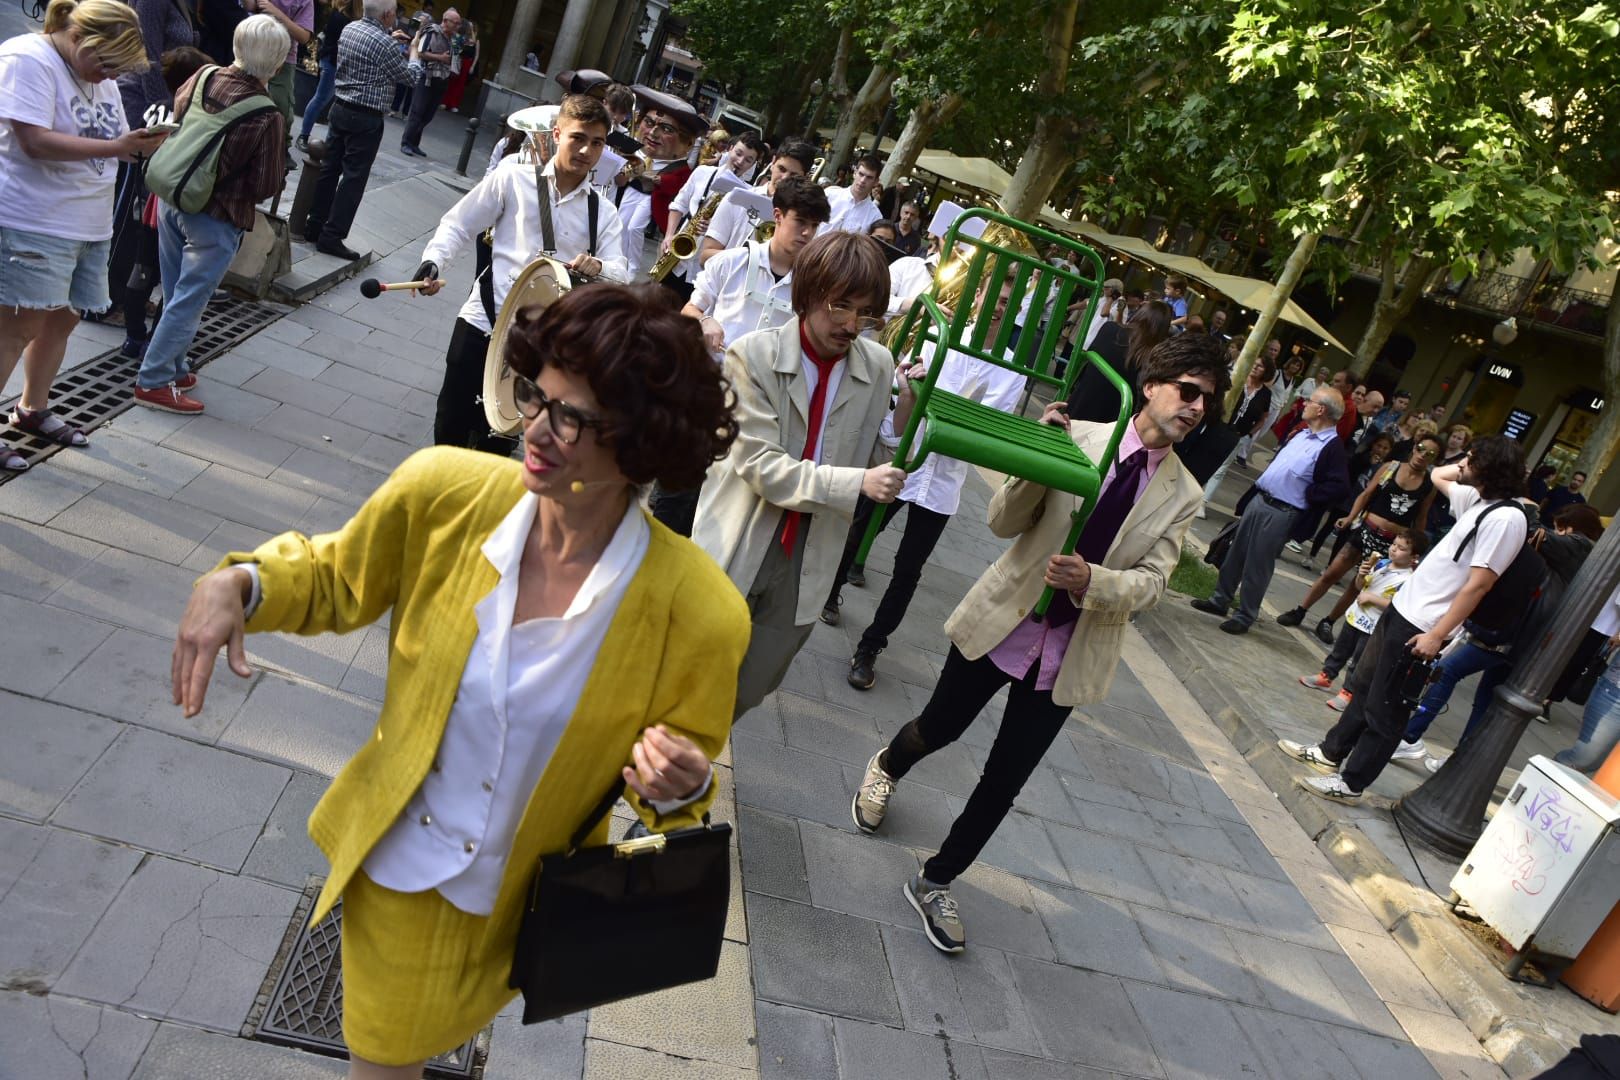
(95, 392)
(305, 1008)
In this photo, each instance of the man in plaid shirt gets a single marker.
(433, 49)
(368, 65)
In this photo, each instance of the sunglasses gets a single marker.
(1190, 391)
(566, 421)
(1426, 452)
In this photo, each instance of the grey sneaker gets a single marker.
(871, 802)
(938, 910)
(1310, 755)
(1332, 788)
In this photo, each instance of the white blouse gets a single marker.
(517, 695)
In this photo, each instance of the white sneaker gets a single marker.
(1296, 547)
(1433, 763)
(1330, 787)
(1410, 751)
(1310, 755)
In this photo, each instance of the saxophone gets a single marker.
(685, 241)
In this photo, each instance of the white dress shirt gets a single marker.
(812, 379)
(689, 200)
(909, 278)
(518, 694)
(507, 201)
(738, 288)
(849, 215)
(937, 483)
(732, 226)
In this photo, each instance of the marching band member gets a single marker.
(745, 289)
(749, 288)
(741, 161)
(814, 433)
(584, 234)
(667, 128)
(731, 226)
(854, 208)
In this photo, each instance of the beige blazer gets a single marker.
(1131, 578)
(746, 492)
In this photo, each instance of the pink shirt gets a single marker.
(1034, 642)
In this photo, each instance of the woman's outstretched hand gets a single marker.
(213, 617)
(668, 766)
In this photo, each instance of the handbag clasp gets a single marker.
(641, 845)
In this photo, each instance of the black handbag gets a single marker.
(1218, 547)
(611, 922)
(1581, 689)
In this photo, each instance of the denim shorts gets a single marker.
(45, 272)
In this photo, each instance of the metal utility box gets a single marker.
(1546, 871)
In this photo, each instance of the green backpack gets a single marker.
(185, 168)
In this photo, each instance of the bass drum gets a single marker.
(539, 284)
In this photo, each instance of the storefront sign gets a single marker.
(1518, 425)
(1590, 400)
(1501, 369)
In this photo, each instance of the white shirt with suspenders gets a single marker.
(506, 202)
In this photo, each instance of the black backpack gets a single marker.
(1503, 611)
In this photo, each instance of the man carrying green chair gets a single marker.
(1094, 540)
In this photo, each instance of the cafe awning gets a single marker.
(1247, 292)
(979, 173)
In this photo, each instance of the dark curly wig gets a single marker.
(666, 409)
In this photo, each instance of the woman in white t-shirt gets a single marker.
(62, 130)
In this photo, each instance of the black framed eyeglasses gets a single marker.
(566, 421)
(845, 312)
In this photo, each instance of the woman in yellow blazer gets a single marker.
(547, 637)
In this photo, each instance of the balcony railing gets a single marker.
(1550, 304)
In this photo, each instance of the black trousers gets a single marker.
(677, 510)
(1029, 723)
(1373, 724)
(424, 104)
(923, 530)
(352, 138)
(677, 285)
(459, 419)
(1347, 649)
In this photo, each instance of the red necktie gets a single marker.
(818, 401)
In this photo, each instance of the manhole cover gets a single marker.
(95, 392)
(305, 1007)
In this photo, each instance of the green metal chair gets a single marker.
(945, 423)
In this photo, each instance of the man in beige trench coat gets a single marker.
(815, 431)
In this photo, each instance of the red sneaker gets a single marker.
(1340, 701)
(1319, 681)
(186, 381)
(169, 399)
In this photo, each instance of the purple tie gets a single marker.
(1113, 506)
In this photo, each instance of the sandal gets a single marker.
(37, 422)
(11, 461)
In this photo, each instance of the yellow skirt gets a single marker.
(420, 976)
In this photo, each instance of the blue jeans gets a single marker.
(1600, 727)
(194, 251)
(321, 98)
(1465, 660)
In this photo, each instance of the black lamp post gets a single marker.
(1447, 811)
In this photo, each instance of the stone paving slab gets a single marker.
(54, 887)
(35, 560)
(58, 1037)
(164, 794)
(48, 748)
(183, 942)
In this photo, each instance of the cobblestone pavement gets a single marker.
(1146, 911)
